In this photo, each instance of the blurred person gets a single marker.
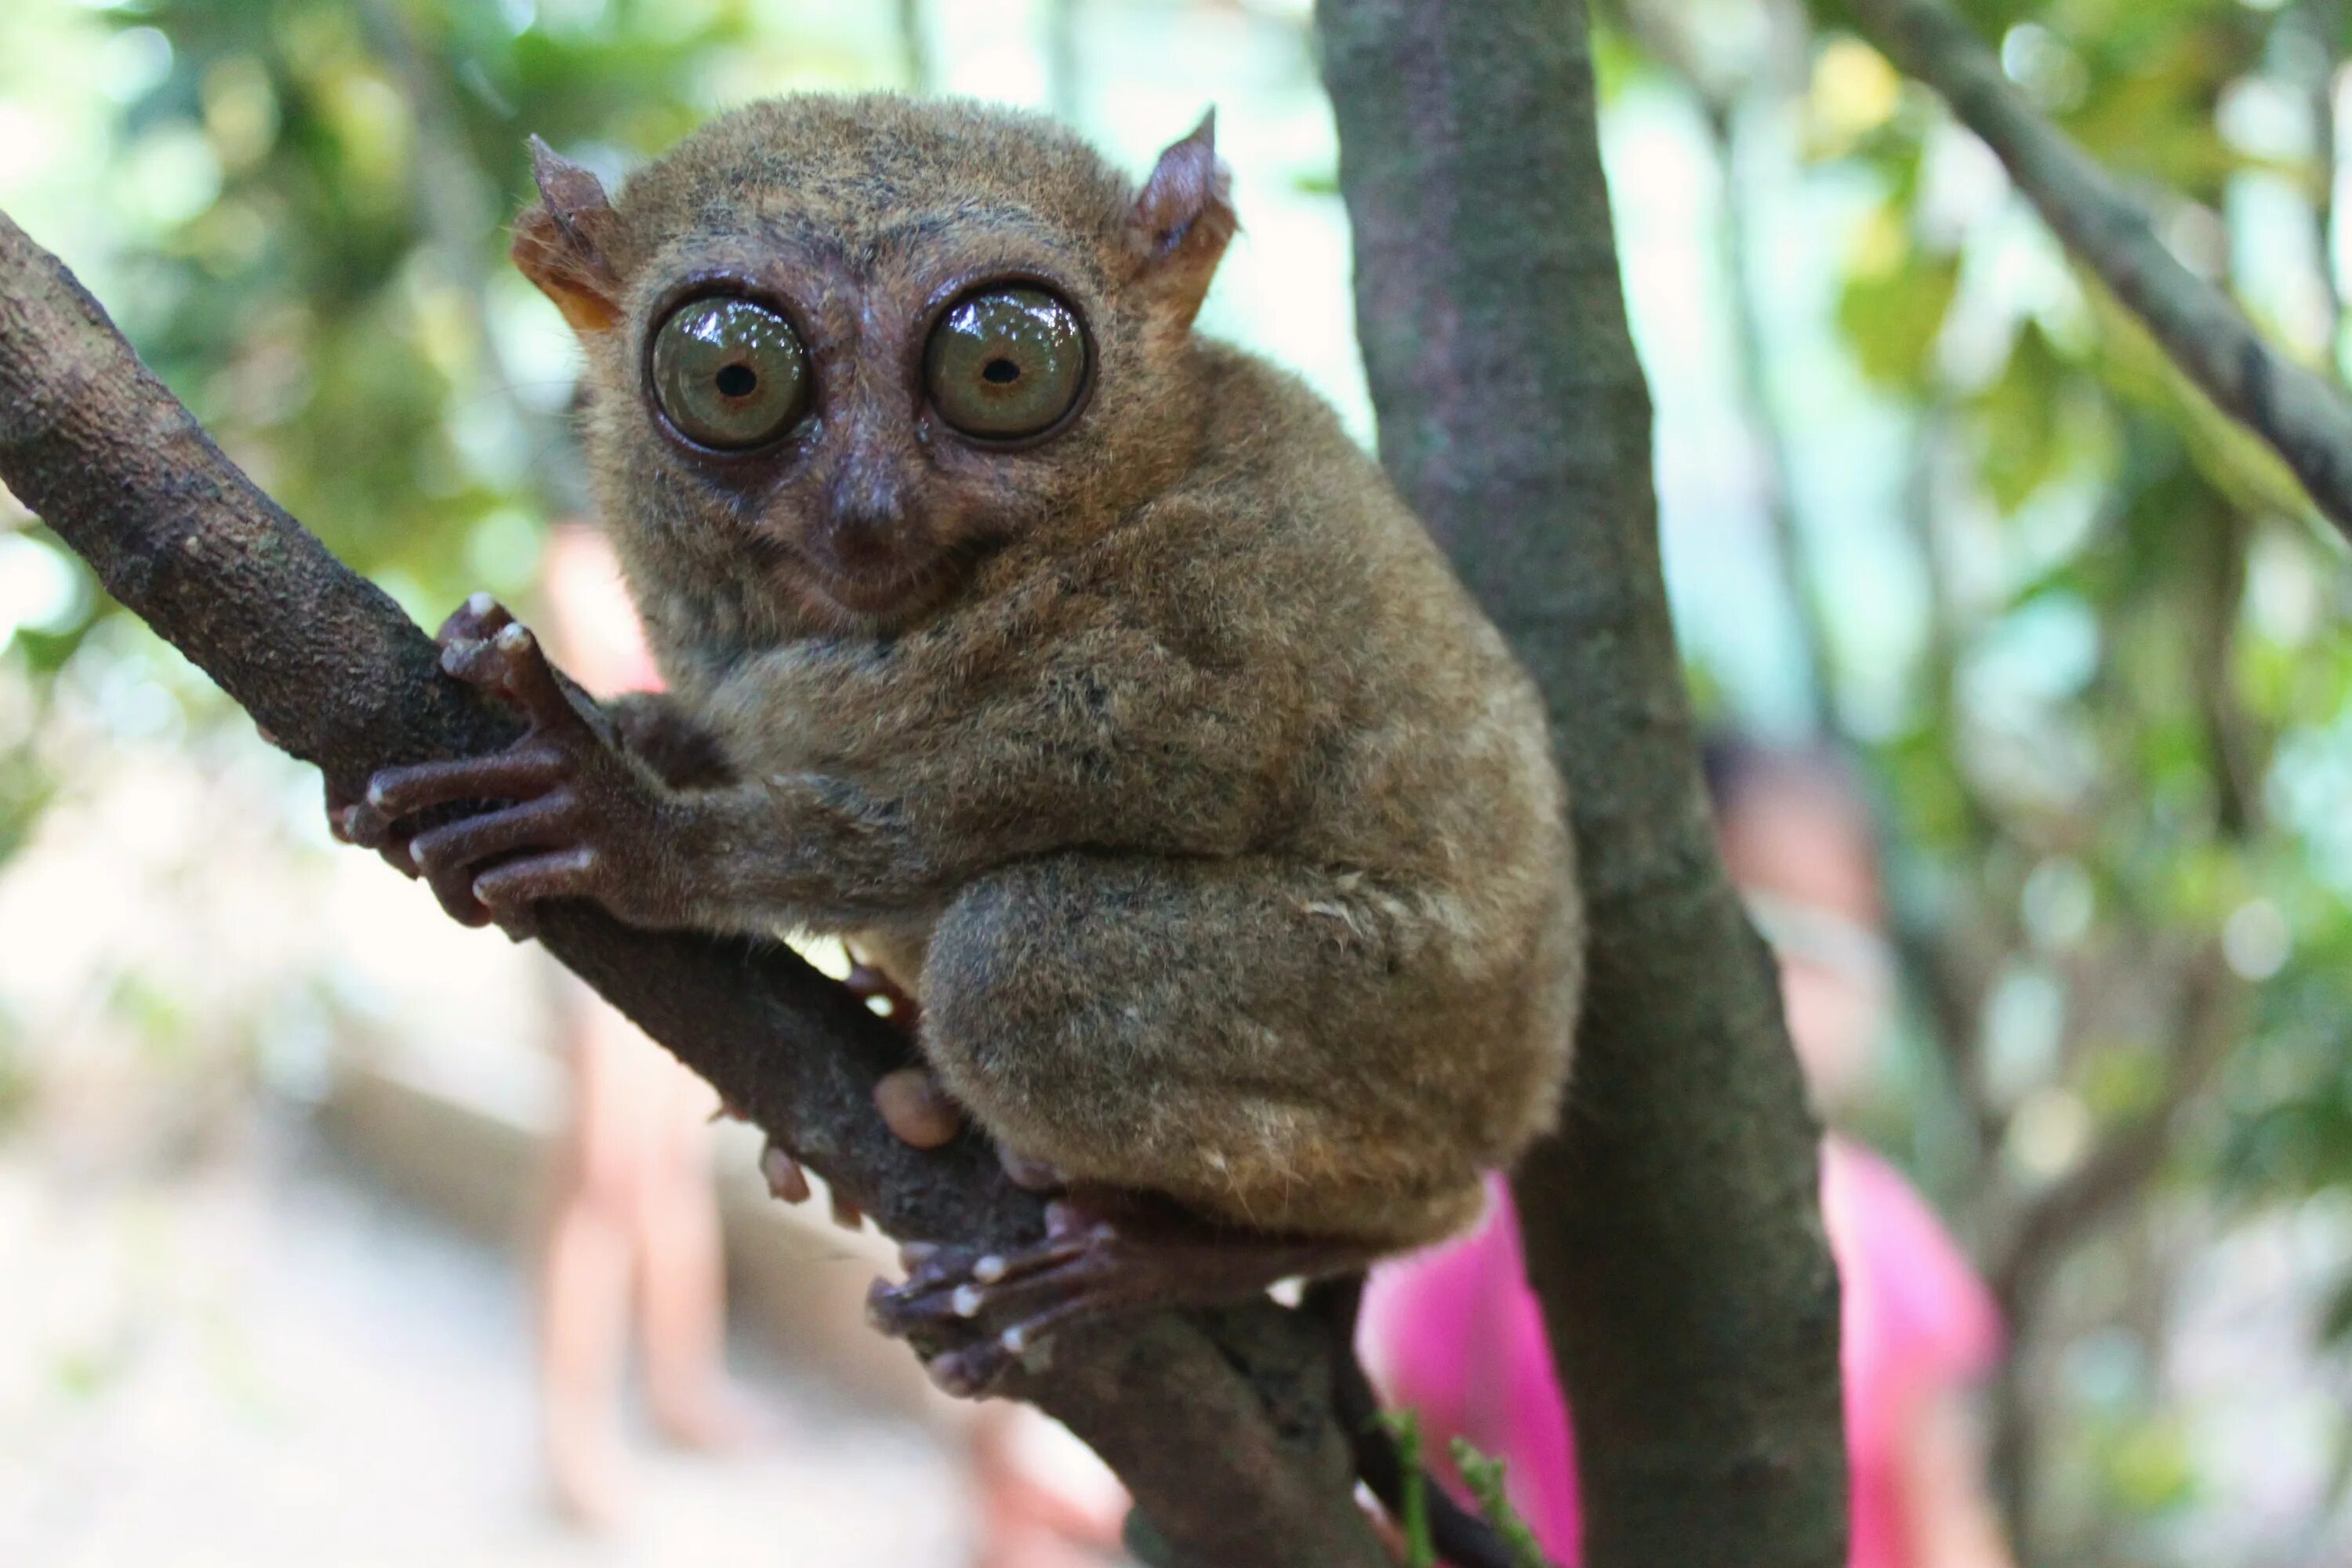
(1456, 1334)
(633, 1220)
(1043, 1500)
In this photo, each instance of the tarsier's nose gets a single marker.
(868, 510)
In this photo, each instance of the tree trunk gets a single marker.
(1673, 1226)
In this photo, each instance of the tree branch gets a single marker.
(2322, 22)
(1672, 1229)
(1218, 1423)
(2301, 415)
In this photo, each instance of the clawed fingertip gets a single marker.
(952, 1376)
(786, 1181)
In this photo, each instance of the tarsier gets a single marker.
(1081, 671)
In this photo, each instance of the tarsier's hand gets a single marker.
(560, 814)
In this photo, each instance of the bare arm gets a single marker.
(1948, 1513)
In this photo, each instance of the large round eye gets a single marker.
(730, 373)
(1006, 364)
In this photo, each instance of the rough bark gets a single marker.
(1219, 1422)
(1673, 1228)
(2302, 416)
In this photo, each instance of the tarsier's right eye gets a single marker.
(730, 373)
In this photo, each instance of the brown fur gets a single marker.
(1215, 827)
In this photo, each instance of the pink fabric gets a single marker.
(1455, 1335)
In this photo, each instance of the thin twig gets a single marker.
(916, 62)
(458, 209)
(2323, 24)
(1770, 429)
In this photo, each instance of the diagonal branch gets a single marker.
(2301, 415)
(1219, 1422)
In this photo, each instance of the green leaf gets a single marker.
(1485, 1477)
(2023, 419)
(1419, 1552)
(1891, 319)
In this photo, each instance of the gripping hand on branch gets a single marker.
(563, 812)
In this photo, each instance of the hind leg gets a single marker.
(1232, 1063)
(1274, 1046)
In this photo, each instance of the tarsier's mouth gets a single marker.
(873, 596)
(904, 587)
(889, 588)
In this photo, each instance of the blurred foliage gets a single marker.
(324, 318)
(2114, 776)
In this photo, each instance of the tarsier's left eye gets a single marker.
(1006, 364)
(730, 373)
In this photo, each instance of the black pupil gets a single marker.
(1001, 371)
(737, 380)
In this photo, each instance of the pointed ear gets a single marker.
(1180, 222)
(564, 243)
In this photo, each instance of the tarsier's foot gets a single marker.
(870, 985)
(918, 1108)
(787, 1183)
(913, 1104)
(921, 1112)
(559, 814)
(1103, 1253)
(1029, 1173)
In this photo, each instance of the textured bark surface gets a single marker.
(1220, 1424)
(2305, 420)
(1673, 1226)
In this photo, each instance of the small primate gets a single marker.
(1078, 670)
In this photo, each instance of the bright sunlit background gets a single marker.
(267, 1122)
